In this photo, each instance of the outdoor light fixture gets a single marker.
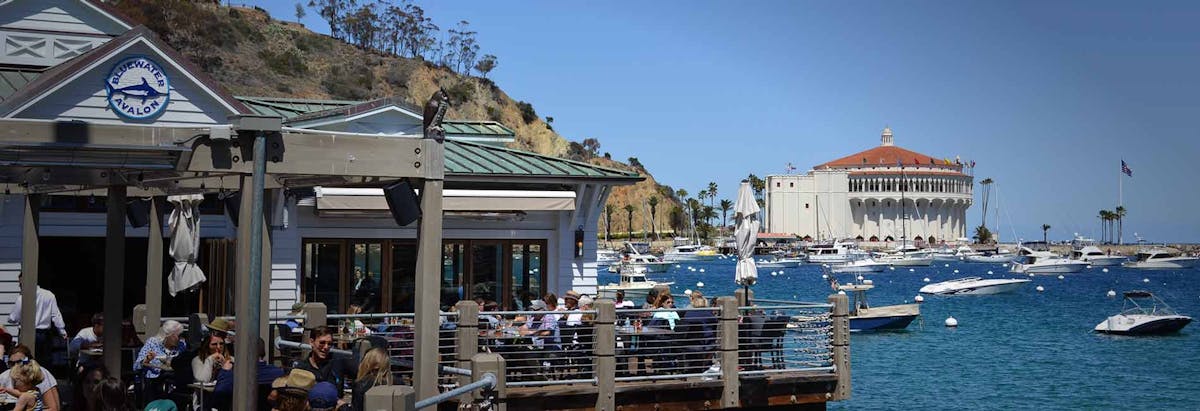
(579, 242)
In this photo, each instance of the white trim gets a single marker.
(375, 111)
(110, 56)
(471, 137)
(106, 14)
(378, 192)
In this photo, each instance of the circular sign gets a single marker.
(138, 88)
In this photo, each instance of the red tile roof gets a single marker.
(887, 156)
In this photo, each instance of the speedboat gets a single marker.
(974, 286)
(633, 282)
(1092, 255)
(862, 265)
(863, 317)
(906, 256)
(690, 252)
(1157, 318)
(780, 262)
(946, 254)
(835, 252)
(1045, 262)
(1162, 258)
(606, 257)
(999, 257)
(635, 259)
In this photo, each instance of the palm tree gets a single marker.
(681, 195)
(629, 214)
(987, 187)
(1120, 214)
(712, 194)
(608, 212)
(1103, 234)
(653, 201)
(1045, 229)
(709, 214)
(1107, 216)
(726, 205)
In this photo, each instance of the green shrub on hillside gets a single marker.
(351, 82)
(460, 92)
(527, 112)
(289, 62)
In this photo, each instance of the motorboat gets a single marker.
(974, 286)
(999, 256)
(1162, 258)
(1045, 262)
(906, 256)
(1143, 313)
(832, 253)
(956, 254)
(635, 259)
(1094, 256)
(633, 282)
(690, 252)
(606, 257)
(780, 262)
(862, 265)
(863, 317)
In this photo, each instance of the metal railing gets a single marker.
(785, 338)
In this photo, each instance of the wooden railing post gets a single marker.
(604, 346)
(315, 315)
(840, 320)
(467, 336)
(490, 363)
(729, 352)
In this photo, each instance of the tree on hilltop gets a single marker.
(300, 12)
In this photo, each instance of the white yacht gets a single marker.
(636, 260)
(1045, 262)
(832, 253)
(690, 252)
(606, 257)
(956, 254)
(1000, 256)
(906, 256)
(779, 262)
(1157, 318)
(974, 286)
(1093, 255)
(633, 282)
(862, 265)
(1162, 258)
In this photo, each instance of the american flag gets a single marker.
(790, 168)
(1125, 169)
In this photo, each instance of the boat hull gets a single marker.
(984, 289)
(1105, 261)
(897, 322)
(875, 268)
(910, 261)
(1056, 268)
(1172, 264)
(1129, 325)
(990, 259)
(631, 293)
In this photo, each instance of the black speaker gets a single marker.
(138, 212)
(233, 204)
(402, 201)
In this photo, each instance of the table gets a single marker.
(633, 333)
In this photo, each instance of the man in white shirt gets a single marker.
(47, 316)
(87, 338)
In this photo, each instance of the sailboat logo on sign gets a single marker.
(138, 88)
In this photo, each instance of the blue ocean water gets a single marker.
(1023, 350)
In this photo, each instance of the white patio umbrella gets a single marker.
(184, 226)
(745, 235)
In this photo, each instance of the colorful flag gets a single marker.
(947, 160)
(972, 163)
(1125, 169)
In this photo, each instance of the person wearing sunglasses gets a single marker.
(48, 386)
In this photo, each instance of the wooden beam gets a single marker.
(114, 275)
(154, 269)
(29, 270)
(429, 275)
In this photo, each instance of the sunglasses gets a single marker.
(12, 363)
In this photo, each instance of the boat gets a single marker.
(999, 256)
(1095, 257)
(1156, 317)
(974, 286)
(690, 252)
(780, 262)
(633, 282)
(906, 256)
(955, 254)
(1162, 258)
(835, 252)
(862, 265)
(635, 259)
(863, 317)
(1045, 262)
(606, 257)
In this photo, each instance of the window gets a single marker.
(778, 184)
(805, 205)
(791, 184)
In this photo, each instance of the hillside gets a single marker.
(252, 54)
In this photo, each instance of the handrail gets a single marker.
(487, 381)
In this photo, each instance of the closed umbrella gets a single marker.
(746, 234)
(184, 226)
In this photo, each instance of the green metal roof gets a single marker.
(289, 108)
(477, 128)
(13, 79)
(467, 158)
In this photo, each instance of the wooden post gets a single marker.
(490, 363)
(729, 352)
(604, 345)
(429, 274)
(841, 345)
(154, 271)
(314, 316)
(29, 270)
(745, 298)
(391, 397)
(114, 275)
(264, 286)
(467, 335)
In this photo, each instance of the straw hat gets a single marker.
(297, 379)
(220, 324)
(571, 295)
(296, 308)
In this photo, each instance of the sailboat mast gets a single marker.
(903, 219)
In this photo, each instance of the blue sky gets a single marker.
(1046, 97)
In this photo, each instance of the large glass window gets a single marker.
(367, 275)
(322, 273)
(404, 278)
(487, 268)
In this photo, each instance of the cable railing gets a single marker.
(669, 343)
(785, 338)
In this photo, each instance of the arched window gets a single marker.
(807, 238)
(889, 238)
(918, 238)
(931, 239)
(859, 238)
(874, 238)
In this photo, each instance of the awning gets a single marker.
(345, 201)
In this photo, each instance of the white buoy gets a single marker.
(774, 273)
(1104, 270)
(1005, 265)
(824, 276)
(951, 322)
(701, 270)
(840, 292)
(1145, 280)
(947, 265)
(912, 270)
(926, 279)
(1089, 266)
(956, 271)
(868, 282)
(1040, 288)
(825, 265)
(919, 299)
(687, 292)
(860, 278)
(989, 272)
(700, 284)
(892, 268)
(1061, 277)
(1031, 274)
(690, 268)
(678, 266)
(1111, 294)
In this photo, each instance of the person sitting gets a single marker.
(373, 370)
(322, 363)
(156, 355)
(621, 302)
(110, 395)
(543, 328)
(25, 378)
(323, 397)
(209, 358)
(88, 380)
(664, 305)
(263, 375)
(48, 386)
(223, 329)
(88, 338)
(571, 304)
(290, 393)
(698, 328)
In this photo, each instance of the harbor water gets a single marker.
(1022, 350)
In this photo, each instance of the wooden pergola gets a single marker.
(39, 157)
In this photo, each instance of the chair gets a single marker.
(772, 339)
(750, 340)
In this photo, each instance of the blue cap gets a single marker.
(323, 395)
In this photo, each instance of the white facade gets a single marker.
(869, 197)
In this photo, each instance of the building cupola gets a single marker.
(886, 137)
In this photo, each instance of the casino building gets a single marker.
(879, 194)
